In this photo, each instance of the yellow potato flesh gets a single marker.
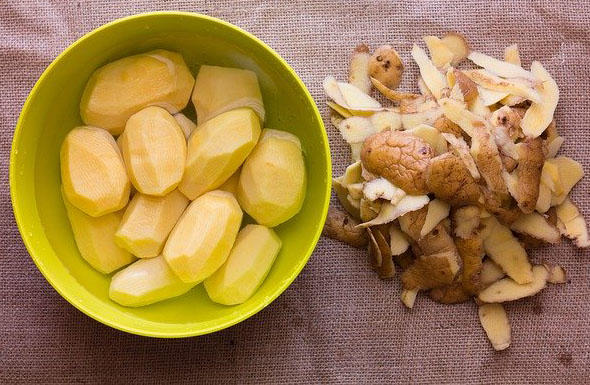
(147, 222)
(119, 89)
(202, 239)
(249, 262)
(145, 282)
(186, 125)
(272, 181)
(221, 89)
(217, 149)
(569, 172)
(92, 171)
(95, 239)
(231, 185)
(154, 150)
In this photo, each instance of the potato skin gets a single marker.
(471, 252)
(386, 66)
(342, 227)
(450, 294)
(528, 170)
(506, 213)
(487, 158)
(450, 180)
(398, 157)
(444, 124)
(427, 272)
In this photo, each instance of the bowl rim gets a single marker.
(97, 315)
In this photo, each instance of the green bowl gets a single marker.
(51, 110)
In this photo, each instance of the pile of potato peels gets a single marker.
(454, 184)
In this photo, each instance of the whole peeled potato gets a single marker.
(154, 150)
(119, 89)
(272, 181)
(217, 149)
(92, 171)
(203, 236)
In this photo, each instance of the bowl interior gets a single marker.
(52, 110)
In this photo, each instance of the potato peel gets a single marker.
(503, 248)
(390, 212)
(461, 149)
(458, 45)
(507, 289)
(358, 70)
(572, 224)
(536, 225)
(341, 226)
(457, 113)
(512, 54)
(437, 211)
(440, 53)
(483, 142)
(499, 67)
(540, 114)
(495, 323)
(349, 97)
(408, 297)
(397, 240)
(510, 86)
(435, 81)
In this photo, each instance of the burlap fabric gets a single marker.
(337, 323)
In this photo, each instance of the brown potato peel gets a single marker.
(398, 157)
(342, 227)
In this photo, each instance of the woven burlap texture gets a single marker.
(337, 323)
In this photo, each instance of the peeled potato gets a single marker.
(145, 282)
(246, 267)
(221, 89)
(154, 150)
(231, 185)
(202, 239)
(95, 239)
(119, 89)
(272, 180)
(147, 222)
(217, 149)
(92, 171)
(186, 125)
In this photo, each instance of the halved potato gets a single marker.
(121, 88)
